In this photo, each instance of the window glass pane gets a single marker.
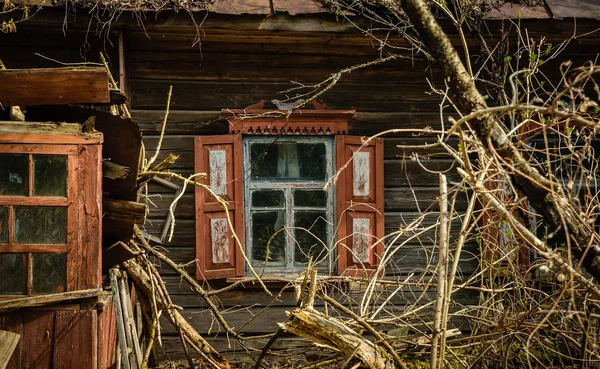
(14, 174)
(13, 272)
(288, 160)
(50, 175)
(49, 273)
(311, 240)
(40, 224)
(3, 224)
(266, 198)
(310, 198)
(264, 225)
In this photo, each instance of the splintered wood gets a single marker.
(8, 343)
(335, 335)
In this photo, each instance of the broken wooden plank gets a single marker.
(112, 170)
(8, 343)
(39, 127)
(124, 211)
(166, 183)
(116, 254)
(117, 97)
(332, 333)
(53, 86)
(42, 300)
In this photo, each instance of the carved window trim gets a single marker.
(356, 199)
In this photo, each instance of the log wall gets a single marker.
(241, 60)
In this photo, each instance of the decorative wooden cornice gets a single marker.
(277, 122)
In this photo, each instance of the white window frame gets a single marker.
(288, 186)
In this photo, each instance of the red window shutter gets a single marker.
(359, 195)
(219, 254)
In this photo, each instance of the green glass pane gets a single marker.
(14, 175)
(264, 225)
(267, 198)
(310, 198)
(311, 239)
(40, 225)
(13, 274)
(49, 273)
(288, 161)
(50, 175)
(4, 224)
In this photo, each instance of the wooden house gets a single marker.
(271, 169)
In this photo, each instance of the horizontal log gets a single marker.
(259, 67)
(256, 320)
(281, 352)
(53, 86)
(114, 171)
(151, 94)
(242, 297)
(39, 127)
(44, 300)
(125, 211)
(193, 122)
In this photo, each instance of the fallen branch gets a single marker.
(333, 334)
(143, 284)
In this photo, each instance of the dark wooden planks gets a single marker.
(38, 334)
(187, 95)
(196, 122)
(213, 65)
(53, 86)
(76, 334)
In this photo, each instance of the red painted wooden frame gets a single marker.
(209, 210)
(83, 203)
(367, 206)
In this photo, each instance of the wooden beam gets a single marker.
(117, 97)
(114, 171)
(8, 343)
(39, 127)
(116, 254)
(25, 302)
(53, 86)
(125, 211)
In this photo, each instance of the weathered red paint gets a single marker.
(358, 202)
(218, 254)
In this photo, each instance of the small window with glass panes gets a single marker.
(34, 200)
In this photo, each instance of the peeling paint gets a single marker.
(220, 241)
(361, 174)
(218, 171)
(360, 239)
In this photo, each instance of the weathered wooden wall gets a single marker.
(241, 60)
(236, 68)
(62, 337)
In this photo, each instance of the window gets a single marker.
(271, 174)
(33, 218)
(39, 214)
(290, 216)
